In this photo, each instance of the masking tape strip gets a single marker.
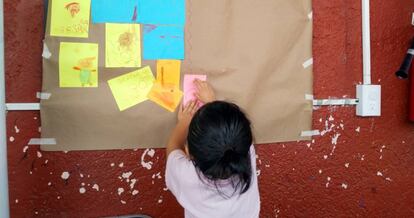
(309, 133)
(22, 106)
(309, 97)
(307, 63)
(325, 102)
(310, 15)
(42, 141)
(410, 51)
(46, 53)
(43, 95)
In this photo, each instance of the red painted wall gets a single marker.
(369, 172)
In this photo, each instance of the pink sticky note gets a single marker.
(190, 88)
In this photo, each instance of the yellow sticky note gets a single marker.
(167, 96)
(168, 72)
(122, 45)
(78, 64)
(70, 18)
(132, 88)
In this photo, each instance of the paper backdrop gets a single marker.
(254, 53)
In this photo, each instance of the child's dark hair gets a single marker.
(219, 140)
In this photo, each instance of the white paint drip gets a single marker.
(328, 181)
(25, 149)
(132, 184)
(388, 179)
(331, 118)
(342, 126)
(58, 197)
(82, 190)
(159, 201)
(379, 173)
(16, 129)
(11, 139)
(39, 154)
(147, 165)
(325, 157)
(126, 175)
(358, 129)
(96, 187)
(327, 128)
(135, 192)
(320, 171)
(382, 148)
(49, 183)
(112, 164)
(345, 186)
(120, 191)
(82, 184)
(65, 175)
(46, 161)
(151, 152)
(157, 175)
(258, 173)
(81, 175)
(346, 165)
(121, 164)
(334, 142)
(123, 202)
(16, 201)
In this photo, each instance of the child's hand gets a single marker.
(205, 92)
(186, 113)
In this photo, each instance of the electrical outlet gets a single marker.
(369, 100)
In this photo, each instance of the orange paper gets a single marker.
(167, 96)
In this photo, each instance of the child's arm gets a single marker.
(179, 134)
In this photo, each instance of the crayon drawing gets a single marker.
(70, 18)
(123, 45)
(132, 88)
(78, 65)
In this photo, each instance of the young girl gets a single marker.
(214, 175)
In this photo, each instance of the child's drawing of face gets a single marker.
(73, 8)
(86, 63)
(126, 39)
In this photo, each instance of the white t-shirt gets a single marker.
(200, 199)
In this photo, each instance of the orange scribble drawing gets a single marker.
(126, 39)
(73, 8)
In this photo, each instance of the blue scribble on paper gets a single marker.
(163, 42)
(114, 11)
(161, 12)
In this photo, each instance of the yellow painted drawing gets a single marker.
(132, 88)
(70, 18)
(123, 45)
(78, 64)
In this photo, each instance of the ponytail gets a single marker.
(219, 141)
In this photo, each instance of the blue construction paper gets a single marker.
(161, 12)
(163, 42)
(114, 11)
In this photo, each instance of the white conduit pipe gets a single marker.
(4, 183)
(366, 43)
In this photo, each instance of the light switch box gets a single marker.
(369, 100)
